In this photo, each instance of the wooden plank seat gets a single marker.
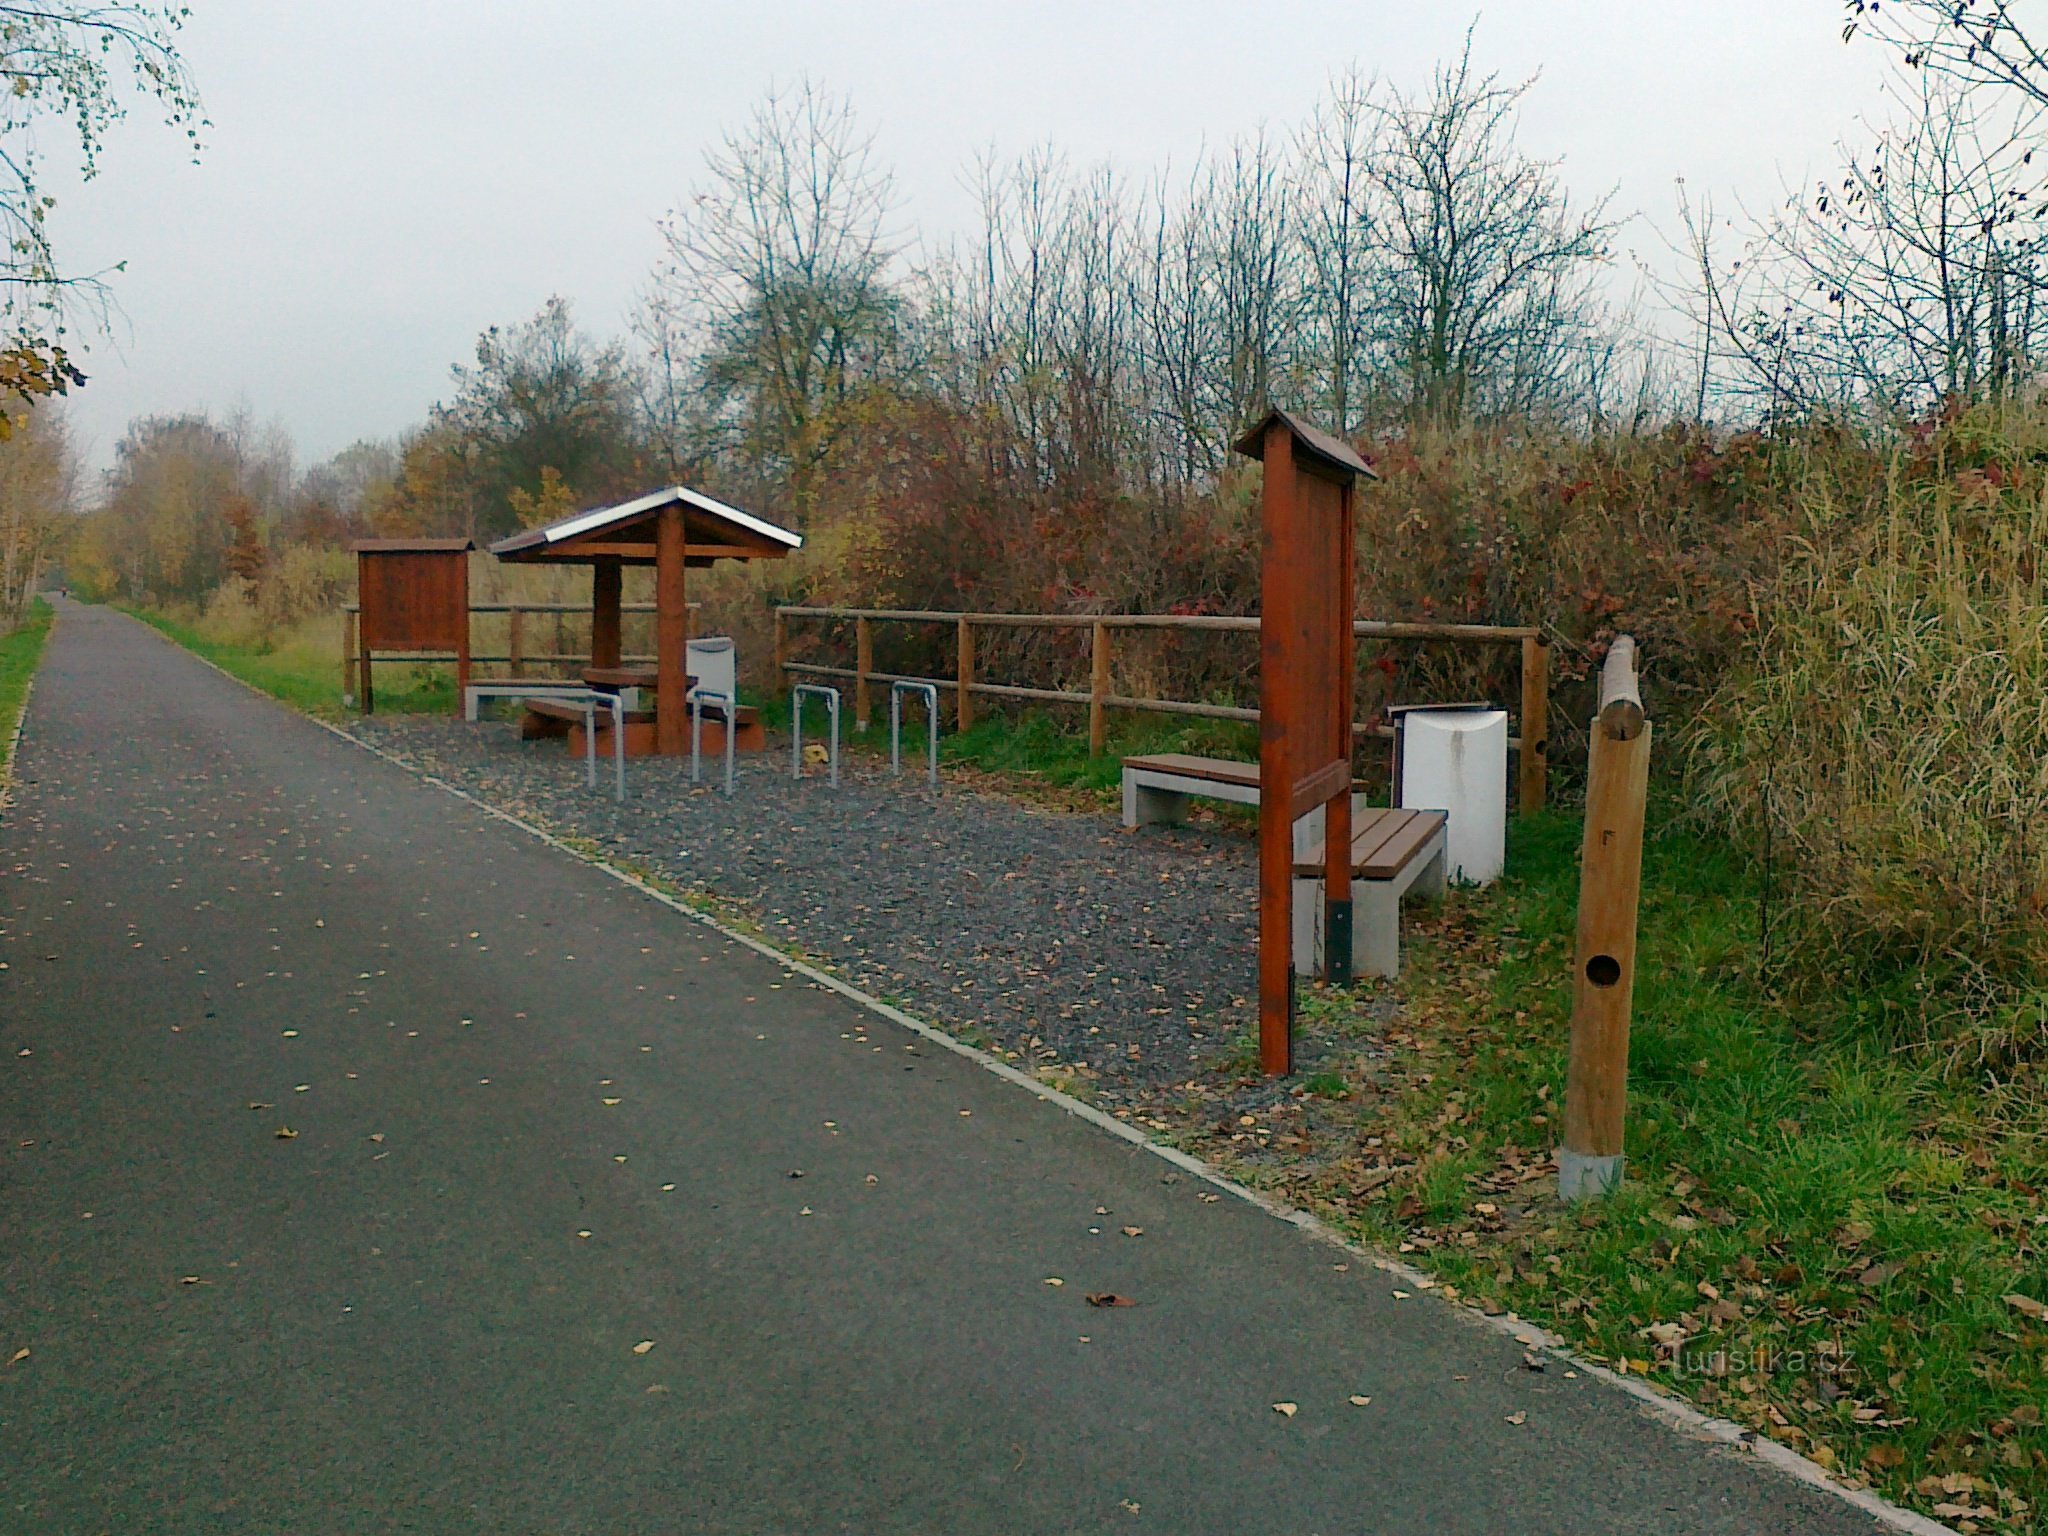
(1392, 852)
(479, 688)
(1156, 788)
(558, 717)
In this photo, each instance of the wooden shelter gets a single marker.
(671, 530)
(1307, 659)
(414, 596)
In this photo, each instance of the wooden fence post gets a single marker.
(515, 641)
(348, 659)
(1535, 723)
(779, 683)
(1604, 971)
(1098, 685)
(963, 697)
(863, 664)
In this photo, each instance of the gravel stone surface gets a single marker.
(1131, 956)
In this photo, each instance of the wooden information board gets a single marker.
(414, 596)
(1306, 666)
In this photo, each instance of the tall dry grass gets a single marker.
(1886, 747)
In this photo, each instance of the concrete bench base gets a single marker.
(1375, 913)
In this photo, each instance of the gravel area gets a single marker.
(1124, 959)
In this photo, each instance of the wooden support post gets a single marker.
(1337, 915)
(1604, 975)
(515, 641)
(671, 633)
(348, 659)
(462, 644)
(1098, 687)
(780, 681)
(1535, 724)
(963, 688)
(606, 583)
(863, 664)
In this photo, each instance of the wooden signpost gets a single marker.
(414, 596)
(1604, 974)
(1306, 663)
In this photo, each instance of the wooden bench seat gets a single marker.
(1392, 851)
(1156, 788)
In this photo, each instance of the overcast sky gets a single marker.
(385, 178)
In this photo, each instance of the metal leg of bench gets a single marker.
(1376, 928)
(619, 746)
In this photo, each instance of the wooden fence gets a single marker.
(1531, 717)
(519, 656)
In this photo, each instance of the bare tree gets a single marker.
(1337, 221)
(1913, 276)
(1976, 42)
(781, 252)
(1485, 268)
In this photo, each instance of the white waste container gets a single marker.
(1457, 761)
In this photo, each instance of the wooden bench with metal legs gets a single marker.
(1156, 788)
(1392, 852)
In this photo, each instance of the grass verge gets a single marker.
(299, 668)
(20, 649)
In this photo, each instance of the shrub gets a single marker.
(1887, 746)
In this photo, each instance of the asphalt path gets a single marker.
(591, 1220)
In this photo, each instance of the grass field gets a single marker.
(1839, 1242)
(300, 668)
(20, 650)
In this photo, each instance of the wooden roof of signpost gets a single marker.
(626, 532)
(1317, 451)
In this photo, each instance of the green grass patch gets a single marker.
(20, 649)
(1818, 1233)
(301, 668)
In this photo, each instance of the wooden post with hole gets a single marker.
(863, 664)
(963, 688)
(1604, 964)
(1535, 723)
(1098, 688)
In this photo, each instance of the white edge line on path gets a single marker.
(1674, 1411)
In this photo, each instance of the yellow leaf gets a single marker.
(1287, 1410)
(643, 1346)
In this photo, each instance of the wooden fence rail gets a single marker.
(1534, 657)
(516, 655)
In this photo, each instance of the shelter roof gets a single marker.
(626, 531)
(1328, 455)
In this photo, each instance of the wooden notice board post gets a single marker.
(414, 596)
(1306, 661)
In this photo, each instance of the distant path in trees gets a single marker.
(536, 1257)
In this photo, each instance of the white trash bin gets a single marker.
(1457, 761)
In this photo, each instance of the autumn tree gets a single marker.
(78, 65)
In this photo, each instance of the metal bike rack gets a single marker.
(590, 700)
(930, 694)
(730, 705)
(796, 724)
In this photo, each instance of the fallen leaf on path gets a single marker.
(1359, 1402)
(1134, 1231)
(1109, 1299)
(643, 1346)
(284, 1133)
(1518, 1418)
(609, 1102)
(1287, 1410)
(17, 1357)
